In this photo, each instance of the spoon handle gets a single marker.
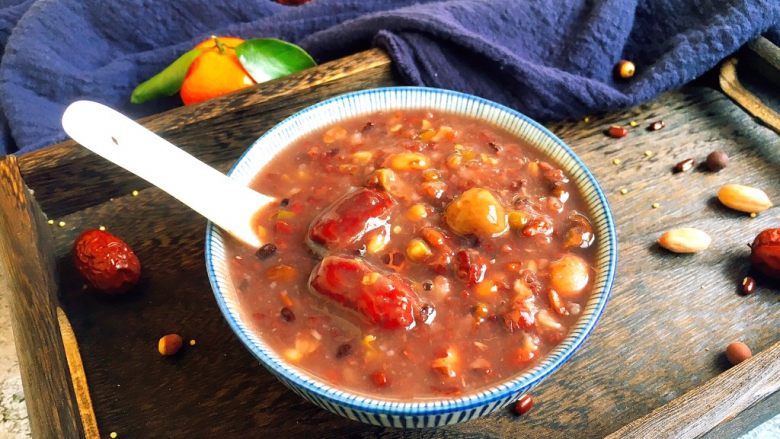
(124, 142)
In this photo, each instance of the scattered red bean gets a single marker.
(748, 285)
(266, 251)
(625, 69)
(524, 404)
(287, 314)
(685, 165)
(717, 160)
(617, 131)
(343, 350)
(655, 126)
(379, 378)
(737, 352)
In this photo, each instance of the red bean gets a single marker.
(343, 350)
(655, 126)
(617, 131)
(524, 404)
(266, 251)
(287, 314)
(748, 285)
(379, 378)
(685, 165)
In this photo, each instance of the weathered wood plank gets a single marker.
(718, 400)
(732, 86)
(26, 258)
(748, 420)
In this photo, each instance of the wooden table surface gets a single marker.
(662, 333)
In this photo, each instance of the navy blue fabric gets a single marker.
(551, 59)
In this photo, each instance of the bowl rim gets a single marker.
(428, 406)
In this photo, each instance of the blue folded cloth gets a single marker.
(550, 59)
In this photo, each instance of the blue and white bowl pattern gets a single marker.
(428, 412)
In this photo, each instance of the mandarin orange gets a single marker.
(215, 72)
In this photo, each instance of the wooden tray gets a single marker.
(90, 364)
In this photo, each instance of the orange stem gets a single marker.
(219, 45)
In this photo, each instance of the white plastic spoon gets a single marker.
(207, 191)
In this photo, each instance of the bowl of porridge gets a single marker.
(431, 256)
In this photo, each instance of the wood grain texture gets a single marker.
(764, 56)
(26, 257)
(78, 377)
(747, 420)
(661, 335)
(721, 398)
(732, 86)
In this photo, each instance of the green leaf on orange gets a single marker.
(268, 58)
(167, 82)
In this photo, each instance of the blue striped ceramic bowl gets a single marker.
(427, 413)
